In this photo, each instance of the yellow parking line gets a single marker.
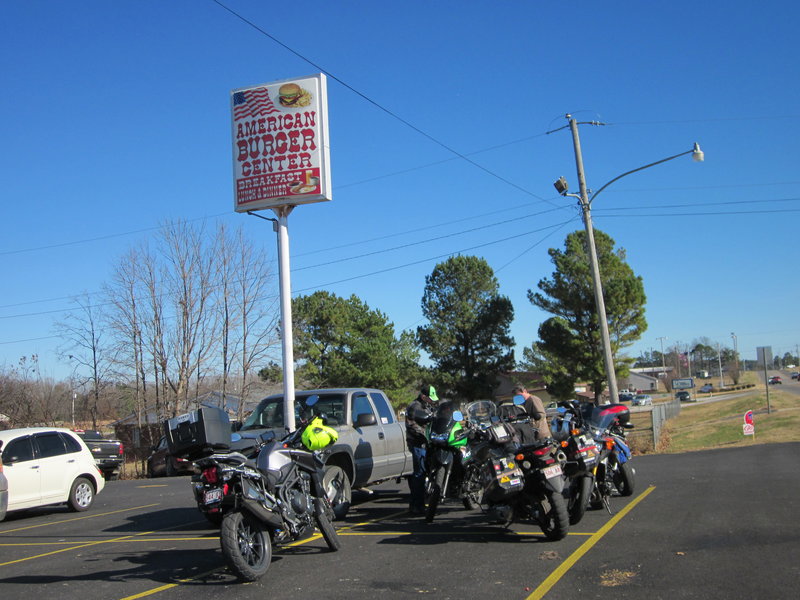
(78, 547)
(556, 575)
(301, 542)
(171, 585)
(91, 516)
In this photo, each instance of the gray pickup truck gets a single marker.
(372, 443)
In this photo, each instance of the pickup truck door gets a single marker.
(398, 458)
(369, 452)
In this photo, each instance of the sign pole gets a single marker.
(281, 226)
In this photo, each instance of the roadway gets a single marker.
(719, 524)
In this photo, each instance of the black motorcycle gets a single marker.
(270, 494)
(523, 481)
(581, 453)
(447, 458)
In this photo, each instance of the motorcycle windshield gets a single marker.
(481, 412)
(442, 420)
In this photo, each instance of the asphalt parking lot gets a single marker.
(699, 525)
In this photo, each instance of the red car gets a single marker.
(162, 464)
(775, 379)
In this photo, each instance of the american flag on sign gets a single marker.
(252, 103)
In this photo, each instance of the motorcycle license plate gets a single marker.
(211, 496)
(554, 471)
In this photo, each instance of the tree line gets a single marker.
(193, 310)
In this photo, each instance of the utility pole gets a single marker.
(608, 357)
(663, 361)
(586, 206)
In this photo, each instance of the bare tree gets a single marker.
(187, 309)
(83, 345)
(257, 311)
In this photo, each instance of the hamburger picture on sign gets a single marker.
(281, 153)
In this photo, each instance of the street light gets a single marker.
(586, 206)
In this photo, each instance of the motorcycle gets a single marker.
(613, 470)
(523, 481)
(272, 495)
(447, 458)
(581, 453)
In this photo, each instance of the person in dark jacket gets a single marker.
(418, 414)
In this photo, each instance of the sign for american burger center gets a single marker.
(281, 152)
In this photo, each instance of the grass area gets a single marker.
(719, 424)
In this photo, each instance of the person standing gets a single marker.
(535, 408)
(418, 415)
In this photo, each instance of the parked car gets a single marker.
(642, 400)
(625, 397)
(707, 388)
(775, 379)
(161, 463)
(3, 489)
(46, 465)
(683, 396)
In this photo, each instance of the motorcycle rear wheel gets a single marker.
(246, 545)
(580, 494)
(323, 515)
(555, 521)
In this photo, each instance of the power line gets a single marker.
(450, 253)
(379, 106)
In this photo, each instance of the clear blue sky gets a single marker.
(115, 117)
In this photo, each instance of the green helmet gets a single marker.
(318, 436)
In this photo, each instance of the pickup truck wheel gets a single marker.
(337, 487)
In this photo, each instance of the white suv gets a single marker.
(45, 465)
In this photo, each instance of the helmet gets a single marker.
(318, 436)
(430, 392)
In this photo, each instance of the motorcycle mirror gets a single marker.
(312, 400)
(458, 416)
(519, 400)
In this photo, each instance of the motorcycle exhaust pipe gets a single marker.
(261, 513)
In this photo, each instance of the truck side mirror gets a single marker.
(365, 419)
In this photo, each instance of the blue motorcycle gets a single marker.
(613, 471)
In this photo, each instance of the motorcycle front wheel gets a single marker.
(472, 490)
(623, 479)
(580, 494)
(553, 516)
(324, 515)
(246, 545)
(337, 487)
(435, 495)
